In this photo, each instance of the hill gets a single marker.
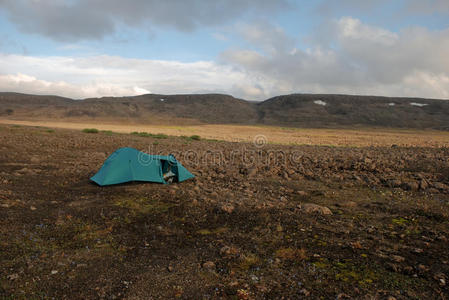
(296, 110)
(151, 108)
(313, 110)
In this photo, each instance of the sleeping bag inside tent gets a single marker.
(129, 164)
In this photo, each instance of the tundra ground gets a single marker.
(259, 221)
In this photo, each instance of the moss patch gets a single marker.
(291, 253)
(143, 206)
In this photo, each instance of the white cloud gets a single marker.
(141, 91)
(389, 57)
(271, 39)
(354, 31)
(363, 59)
(116, 76)
(28, 84)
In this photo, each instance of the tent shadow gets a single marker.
(129, 184)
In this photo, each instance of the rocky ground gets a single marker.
(257, 222)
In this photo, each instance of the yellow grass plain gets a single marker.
(362, 137)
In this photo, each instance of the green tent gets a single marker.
(129, 164)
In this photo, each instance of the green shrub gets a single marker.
(190, 138)
(108, 132)
(159, 136)
(90, 130)
(146, 134)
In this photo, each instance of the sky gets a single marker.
(251, 49)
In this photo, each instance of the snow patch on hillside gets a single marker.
(418, 104)
(320, 102)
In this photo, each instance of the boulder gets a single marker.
(310, 208)
(410, 186)
(348, 204)
(209, 265)
(441, 186)
(423, 184)
(228, 208)
(302, 193)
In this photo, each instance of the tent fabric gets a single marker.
(129, 164)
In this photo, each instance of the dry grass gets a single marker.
(277, 135)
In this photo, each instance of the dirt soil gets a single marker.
(257, 222)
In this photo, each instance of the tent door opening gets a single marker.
(169, 171)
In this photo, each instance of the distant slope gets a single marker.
(151, 108)
(296, 110)
(206, 108)
(314, 110)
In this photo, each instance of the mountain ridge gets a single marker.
(293, 110)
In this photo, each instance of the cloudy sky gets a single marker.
(253, 49)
